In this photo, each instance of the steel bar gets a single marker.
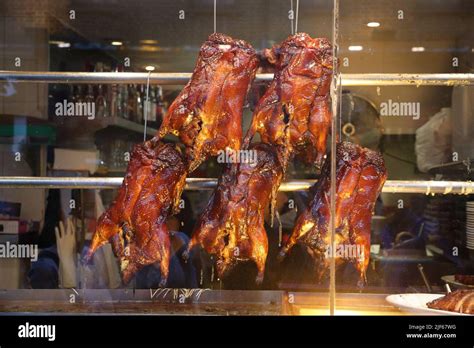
(182, 78)
(391, 186)
(407, 80)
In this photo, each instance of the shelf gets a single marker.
(127, 124)
(100, 123)
(182, 78)
(391, 186)
(34, 131)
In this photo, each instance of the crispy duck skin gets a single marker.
(461, 301)
(294, 113)
(360, 175)
(232, 225)
(136, 222)
(207, 114)
(120, 211)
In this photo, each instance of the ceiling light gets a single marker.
(117, 43)
(373, 24)
(149, 68)
(60, 44)
(356, 48)
(149, 42)
(418, 49)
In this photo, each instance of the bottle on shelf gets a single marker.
(123, 91)
(101, 105)
(89, 97)
(138, 104)
(160, 106)
(100, 99)
(131, 107)
(119, 101)
(72, 94)
(152, 110)
(78, 96)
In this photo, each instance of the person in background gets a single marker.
(58, 264)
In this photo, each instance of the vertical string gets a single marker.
(145, 109)
(215, 16)
(292, 17)
(334, 104)
(296, 19)
(339, 93)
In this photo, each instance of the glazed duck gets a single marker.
(207, 114)
(360, 175)
(294, 113)
(135, 222)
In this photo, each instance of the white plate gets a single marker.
(451, 281)
(416, 304)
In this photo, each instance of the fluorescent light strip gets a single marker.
(373, 24)
(356, 48)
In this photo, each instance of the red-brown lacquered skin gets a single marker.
(360, 176)
(460, 301)
(207, 114)
(135, 222)
(232, 225)
(294, 113)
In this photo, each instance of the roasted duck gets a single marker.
(135, 222)
(464, 279)
(360, 175)
(461, 301)
(207, 114)
(232, 225)
(294, 113)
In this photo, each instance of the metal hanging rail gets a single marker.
(182, 78)
(391, 186)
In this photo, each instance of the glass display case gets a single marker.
(87, 87)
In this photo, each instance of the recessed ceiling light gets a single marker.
(373, 24)
(149, 68)
(418, 49)
(117, 43)
(356, 48)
